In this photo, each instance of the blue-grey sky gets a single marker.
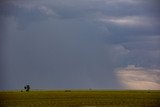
(79, 44)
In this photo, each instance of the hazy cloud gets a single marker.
(133, 77)
(132, 21)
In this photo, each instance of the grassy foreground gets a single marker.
(80, 99)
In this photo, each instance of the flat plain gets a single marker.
(81, 98)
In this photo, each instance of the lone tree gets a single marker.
(27, 88)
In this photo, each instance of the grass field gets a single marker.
(80, 99)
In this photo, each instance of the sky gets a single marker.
(79, 44)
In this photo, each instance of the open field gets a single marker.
(77, 98)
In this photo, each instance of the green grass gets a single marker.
(92, 98)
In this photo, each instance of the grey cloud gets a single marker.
(51, 53)
(150, 43)
(64, 41)
(71, 8)
(144, 58)
(30, 11)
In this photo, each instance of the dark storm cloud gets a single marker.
(23, 15)
(75, 9)
(74, 51)
(70, 9)
(76, 44)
